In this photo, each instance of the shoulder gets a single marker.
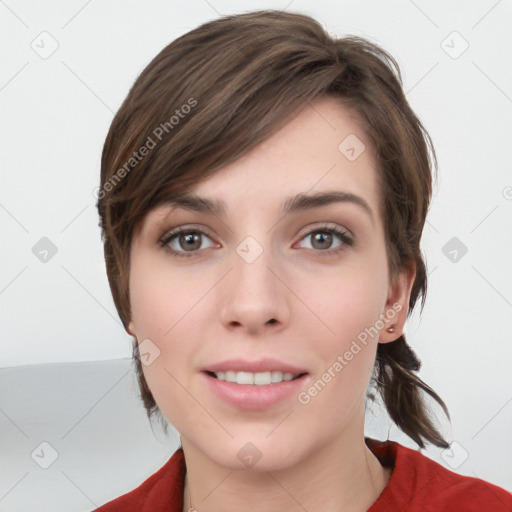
(163, 490)
(419, 483)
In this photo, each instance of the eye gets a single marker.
(185, 241)
(189, 241)
(322, 239)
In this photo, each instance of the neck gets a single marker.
(341, 475)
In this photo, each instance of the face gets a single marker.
(265, 287)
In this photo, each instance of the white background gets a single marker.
(55, 113)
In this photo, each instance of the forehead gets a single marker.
(323, 148)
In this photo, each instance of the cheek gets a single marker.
(348, 306)
(161, 296)
(167, 310)
(345, 301)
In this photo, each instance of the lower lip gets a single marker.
(253, 397)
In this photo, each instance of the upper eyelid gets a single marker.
(180, 229)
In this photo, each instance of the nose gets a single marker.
(254, 298)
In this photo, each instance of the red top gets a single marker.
(416, 484)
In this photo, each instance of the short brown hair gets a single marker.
(237, 80)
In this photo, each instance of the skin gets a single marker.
(214, 305)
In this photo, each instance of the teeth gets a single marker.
(258, 379)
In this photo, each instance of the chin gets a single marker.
(256, 458)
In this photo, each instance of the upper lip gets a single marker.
(261, 365)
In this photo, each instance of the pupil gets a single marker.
(322, 237)
(190, 239)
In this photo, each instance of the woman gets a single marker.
(264, 187)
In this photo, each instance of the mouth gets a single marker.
(255, 391)
(255, 385)
(264, 378)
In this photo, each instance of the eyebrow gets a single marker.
(298, 203)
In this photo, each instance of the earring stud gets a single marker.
(390, 329)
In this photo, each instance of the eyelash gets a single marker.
(343, 235)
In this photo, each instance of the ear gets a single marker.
(397, 304)
(131, 329)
